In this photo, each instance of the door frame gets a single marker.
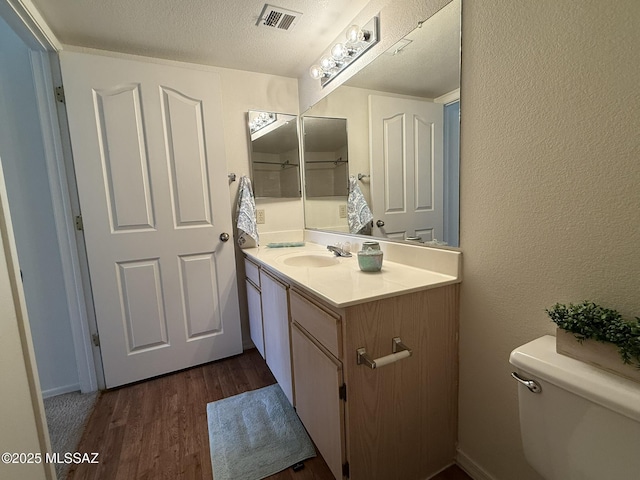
(451, 173)
(29, 25)
(64, 215)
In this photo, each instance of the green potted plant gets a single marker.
(599, 336)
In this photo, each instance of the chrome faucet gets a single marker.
(338, 251)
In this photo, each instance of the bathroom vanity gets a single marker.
(396, 421)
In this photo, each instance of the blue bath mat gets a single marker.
(255, 434)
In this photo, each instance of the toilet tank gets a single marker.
(585, 422)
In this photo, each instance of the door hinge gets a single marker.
(79, 224)
(60, 94)
(96, 339)
(345, 469)
(342, 392)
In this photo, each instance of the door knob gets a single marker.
(380, 223)
(224, 237)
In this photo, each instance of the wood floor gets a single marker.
(157, 429)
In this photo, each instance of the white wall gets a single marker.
(550, 191)
(243, 91)
(22, 413)
(25, 170)
(324, 213)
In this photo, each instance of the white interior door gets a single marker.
(406, 144)
(148, 151)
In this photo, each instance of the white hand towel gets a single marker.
(246, 215)
(358, 212)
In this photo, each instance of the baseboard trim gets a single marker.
(52, 392)
(471, 468)
(247, 345)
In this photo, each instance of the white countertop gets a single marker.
(344, 284)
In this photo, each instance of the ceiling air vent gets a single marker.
(277, 17)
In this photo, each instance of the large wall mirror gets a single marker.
(403, 138)
(275, 158)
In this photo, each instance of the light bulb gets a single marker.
(327, 63)
(316, 72)
(339, 51)
(354, 34)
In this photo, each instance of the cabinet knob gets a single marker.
(380, 223)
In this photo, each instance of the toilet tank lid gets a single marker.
(539, 358)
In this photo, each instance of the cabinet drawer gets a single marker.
(324, 326)
(252, 272)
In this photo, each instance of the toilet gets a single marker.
(577, 422)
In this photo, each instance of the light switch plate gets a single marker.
(259, 216)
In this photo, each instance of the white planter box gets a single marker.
(603, 355)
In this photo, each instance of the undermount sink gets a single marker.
(310, 260)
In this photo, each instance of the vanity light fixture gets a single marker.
(342, 54)
(261, 120)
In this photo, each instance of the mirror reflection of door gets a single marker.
(275, 159)
(406, 168)
(326, 167)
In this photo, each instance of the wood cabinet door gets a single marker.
(317, 379)
(275, 321)
(402, 417)
(254, 304)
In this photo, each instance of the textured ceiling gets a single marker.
(210, 32)
(427, 67)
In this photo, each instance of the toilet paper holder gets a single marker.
(399, 349)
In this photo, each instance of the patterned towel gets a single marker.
(246, 215)
(358, 212)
